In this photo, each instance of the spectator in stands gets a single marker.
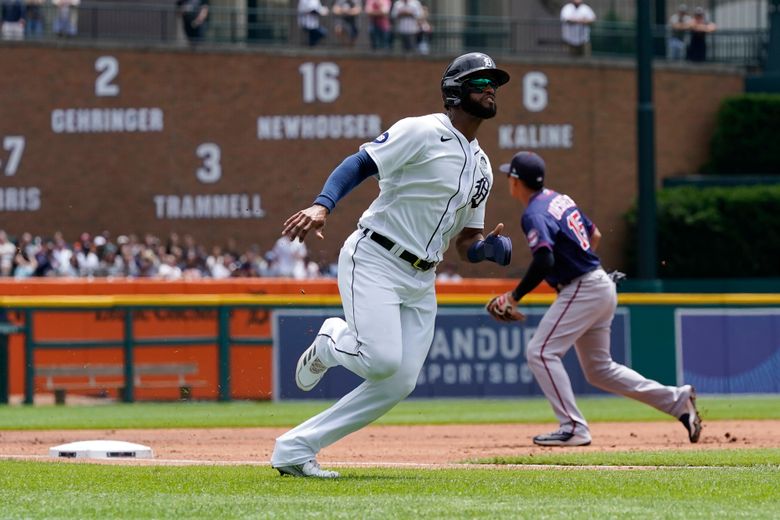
(424, 36)
(13, 18)
(148, 263)
(679, 26)
(576, 19)
(700, 28)
(224, 267)
(310, 13)
(169, 268)
(33, 27)
(98, 256)
(62, 255)
(112, 264)
(194, 18)
(252, 262)
(66, 18)
(406, 15)
(7, 253)
(129, 264)
(289, 258)
(86, 254)
(45, 260)
(347, 12)
(71, 270)
(378, 12)
(24, 263)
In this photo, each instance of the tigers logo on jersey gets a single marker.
(382, 138)
(481, 190)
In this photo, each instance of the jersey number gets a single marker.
(574, 221)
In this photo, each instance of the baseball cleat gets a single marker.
(690, 418)
(562, 438)
(307, 469)
(310, 368)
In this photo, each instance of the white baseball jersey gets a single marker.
(420, 159)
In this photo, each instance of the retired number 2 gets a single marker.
(574, 221)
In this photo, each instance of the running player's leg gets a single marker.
(373, 398)
(369, 342)
(593, 351)
(559, 328)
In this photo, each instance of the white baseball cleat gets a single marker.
(307, 469)
(563, 438)
(690, 417)
(310, 368)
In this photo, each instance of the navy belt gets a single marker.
(417, 263)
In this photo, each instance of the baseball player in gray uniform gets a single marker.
(434, 181)
(563, 241)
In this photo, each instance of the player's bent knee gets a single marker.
(598, 376)
(533, 355)
(383, 367)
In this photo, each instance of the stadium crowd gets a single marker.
(128, 256)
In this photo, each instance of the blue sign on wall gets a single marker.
(472, 355)
(728, 351)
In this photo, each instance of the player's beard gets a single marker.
(476, 109)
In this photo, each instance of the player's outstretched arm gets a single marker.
(302, 222)
(351, 172)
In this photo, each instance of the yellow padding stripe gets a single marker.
(320, 300)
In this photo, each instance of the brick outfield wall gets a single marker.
(108, 180)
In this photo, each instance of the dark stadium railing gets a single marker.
(157, 24)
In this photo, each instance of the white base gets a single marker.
(101, 450)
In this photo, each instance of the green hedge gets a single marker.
(715, 232)
(747, 136)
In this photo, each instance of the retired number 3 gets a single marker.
(574, 221)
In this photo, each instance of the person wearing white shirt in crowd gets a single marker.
(290, 258)
(576, 19)
(679, 29)
(88, 260)
(7, 253)
(407, 14)
(168, 269)
(310, 13)
(13, 19)
(62, 256)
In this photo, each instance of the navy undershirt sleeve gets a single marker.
(352, 171)
(541, 265)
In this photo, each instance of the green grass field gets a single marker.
(723, 483)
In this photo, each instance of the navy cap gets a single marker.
(528, 167)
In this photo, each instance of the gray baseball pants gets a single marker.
(581, 316)
(390, 311)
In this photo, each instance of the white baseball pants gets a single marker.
(582, 316)
(390, 310)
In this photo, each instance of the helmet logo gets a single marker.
(488, 62)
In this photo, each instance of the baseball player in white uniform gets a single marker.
(563, 241)
(434, 182)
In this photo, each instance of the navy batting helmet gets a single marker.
(464, 67)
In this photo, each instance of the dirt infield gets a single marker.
(402, 444)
